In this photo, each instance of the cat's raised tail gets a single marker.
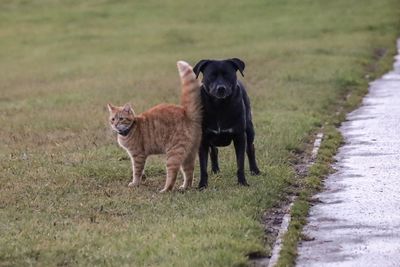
(190, 98)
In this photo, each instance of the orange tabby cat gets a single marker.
(164, 129)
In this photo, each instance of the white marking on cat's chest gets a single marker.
(124, 147)
(120, 143)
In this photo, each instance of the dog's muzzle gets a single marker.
(221, 91)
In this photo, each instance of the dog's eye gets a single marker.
(113, 119)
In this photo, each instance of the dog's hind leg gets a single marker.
(250, 150)
(214, 159)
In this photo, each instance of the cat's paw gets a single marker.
(164, 190)
(183, 187)
(134, 184)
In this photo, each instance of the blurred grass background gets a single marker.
(63, 188)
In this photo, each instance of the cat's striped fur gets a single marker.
(164, 129)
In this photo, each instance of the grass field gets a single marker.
(64, 198)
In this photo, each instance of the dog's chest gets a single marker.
(218, 130)
(223, 122)
(219, 135)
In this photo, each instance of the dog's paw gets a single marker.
(255, 171)
(202, 187)
(243, 183)
(215, 170)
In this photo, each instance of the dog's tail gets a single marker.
(190, 98)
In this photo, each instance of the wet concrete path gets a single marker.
(357, 221)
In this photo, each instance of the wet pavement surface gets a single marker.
(356, 221)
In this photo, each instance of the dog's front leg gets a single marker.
(239, 142)
(214, 159)
(203, 158)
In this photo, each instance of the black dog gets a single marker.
(226, 116)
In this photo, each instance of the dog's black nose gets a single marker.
(221, 90)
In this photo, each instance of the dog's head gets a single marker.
(219, 76)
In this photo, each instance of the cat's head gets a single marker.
(122, 119)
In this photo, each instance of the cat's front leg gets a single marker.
(138, 163)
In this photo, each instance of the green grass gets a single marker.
(63, 188)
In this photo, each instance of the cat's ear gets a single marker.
(110, 107)
(128, 108)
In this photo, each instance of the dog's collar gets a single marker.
(126, 132)
(220, 131)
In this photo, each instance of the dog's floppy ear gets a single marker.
(200, 66)
(239, 64)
